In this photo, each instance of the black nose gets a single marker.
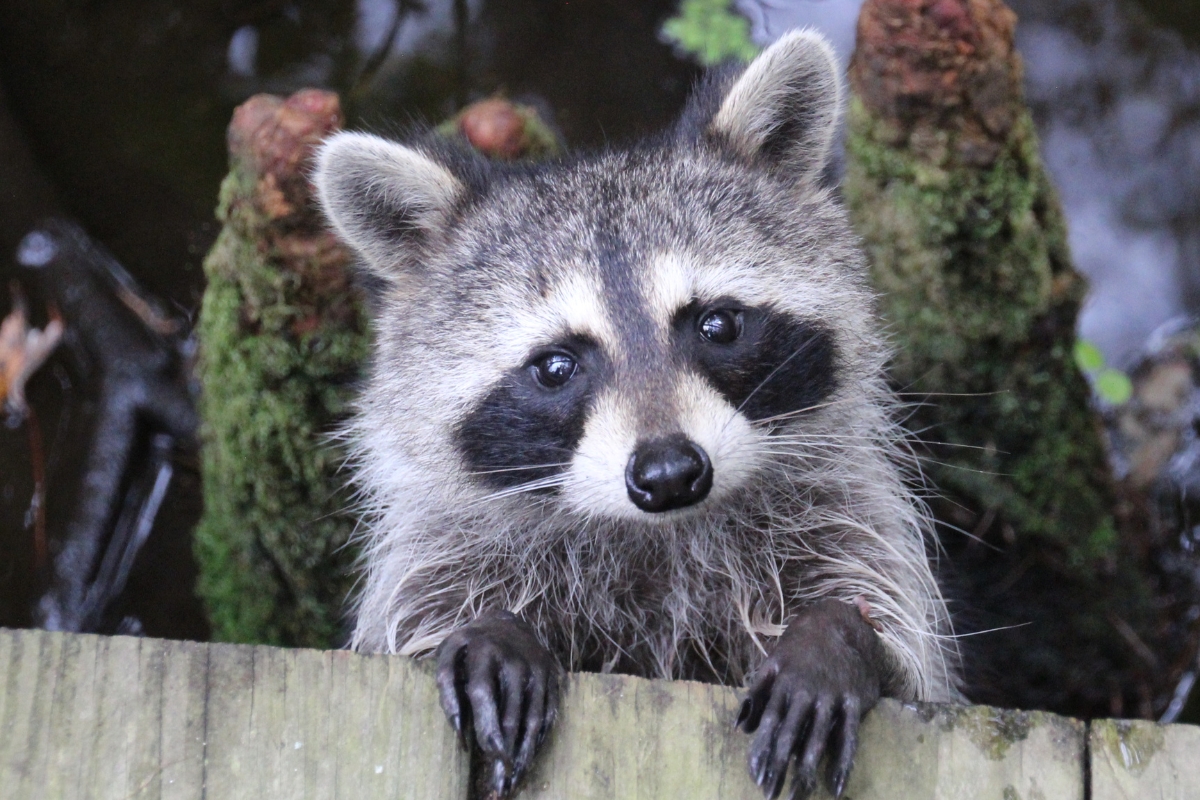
(667, 473)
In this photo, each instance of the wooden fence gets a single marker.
(121, 718)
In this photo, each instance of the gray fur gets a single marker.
(491, 262)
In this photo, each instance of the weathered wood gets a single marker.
(182, 730)
(100, 717)
(313, 724)
(621, 737)
(118, 718)
(1133, 759)
(94, 717)
(948, 752)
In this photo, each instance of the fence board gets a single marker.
(622, 737)
(275, 730)
(1134, 759)
(89, 717)
(948, 752)
(118, 718)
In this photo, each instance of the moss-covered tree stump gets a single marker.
(967, 246)
(282, 339)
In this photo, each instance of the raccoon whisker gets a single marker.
(791, 433)
(959, 445)
(802, 446)
(520, 469)
(831, 459)
(953, 636)
(531, 486)
(803, 449)
(799, 350)
(764, 382)
(946, 394)
(962, 468)
(797, 412)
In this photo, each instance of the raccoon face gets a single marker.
(646, 410)
(623, 335)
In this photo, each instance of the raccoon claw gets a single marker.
(808, 697)
(495, 676)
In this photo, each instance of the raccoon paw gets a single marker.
(808, 696)
(495, 675)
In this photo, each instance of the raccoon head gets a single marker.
(624, 335)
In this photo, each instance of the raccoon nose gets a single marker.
(672, 472)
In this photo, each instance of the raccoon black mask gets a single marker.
(627, 411)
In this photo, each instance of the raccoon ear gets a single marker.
(384, 199)
(785, 107)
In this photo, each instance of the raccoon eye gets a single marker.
(721, 327)
(554, 370)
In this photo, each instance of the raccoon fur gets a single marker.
(628, 409)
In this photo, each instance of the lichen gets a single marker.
(992, 730)
(1132, 743)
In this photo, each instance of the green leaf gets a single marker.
(1088, 357)
(710, 31)
(1114, 386)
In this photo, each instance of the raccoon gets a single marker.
(627, 412)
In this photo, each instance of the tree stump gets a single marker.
(968, 248)
(282, 340)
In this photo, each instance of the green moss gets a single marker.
(978, 288)
(277, 362)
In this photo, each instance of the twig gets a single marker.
(37, 458)
(1130, 636)
(377, 58)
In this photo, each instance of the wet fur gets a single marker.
(481, 262)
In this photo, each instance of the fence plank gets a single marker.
(117, 718)
(621, 737)
(83, 718)
(310, 724)
(184, 680)
(30, 684)
(1133, 759)
(950, 752)
(125, 719)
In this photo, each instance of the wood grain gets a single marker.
(622, 737)
(1135, 759)
(119, 718)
